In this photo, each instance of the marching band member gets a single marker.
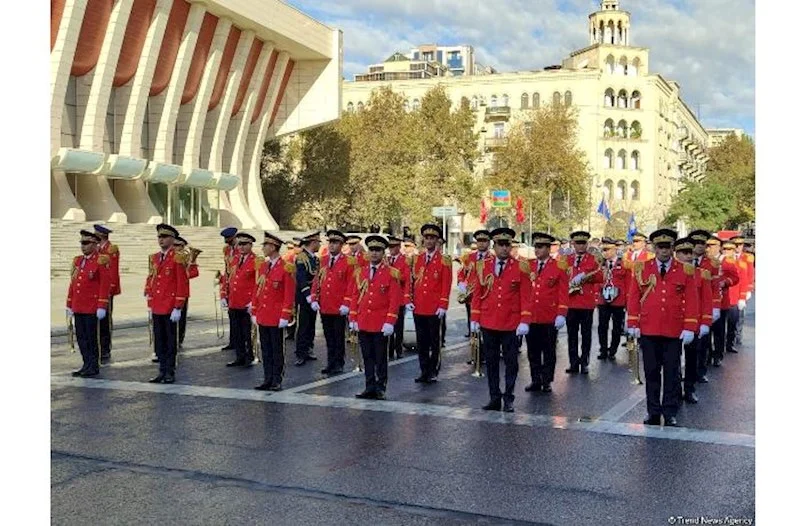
(307, 265)
(663, 313)
(87, 300)
(706, 266)
(239, 294)
(401, 263)
(466, 274)
(228, 255)
(112, 251)
(166, 290)
(737, 295)
(501, 310)
(555, 249)
(375, 297)
(356, 250)
(724, 276)
(584, 272)
(611, 301)
(192, 271)
(430, 298)
(272, 305)
(290, 256)
(638, 250)
(548, 307)
(749, 280)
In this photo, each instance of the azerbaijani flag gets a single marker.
(501, 198)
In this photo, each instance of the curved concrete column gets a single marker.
(135, 200)
(98, 200)
(63, 204)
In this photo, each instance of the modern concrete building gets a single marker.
(640, 137)
(160, 108)
(717, 136)
(400, 67)
(459, 60)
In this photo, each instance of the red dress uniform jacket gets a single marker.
(722, 277)
(167, 285)
(192, 271)
(242, 282)
(112, 251)
(228, 253)
(467, 272)
(705, 295)
(431, 283)
(620, 278)
(549, 291)
(502, 302)
(90, 284)
(749, 261)
(375, 302)
(273, 295)
(329, 287)
(663, 306)
(402, 263)
(643, 255)
(737, 291)
(587, 297)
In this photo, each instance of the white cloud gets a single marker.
(708, 46)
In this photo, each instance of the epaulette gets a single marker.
(103, 259)
(599, 258)
(750, 258)
(259, 261)
(742, 264)
(627, 264)
(638, 266)
(395, 273)
(289, 267)
(351, 261)
(688, 268)
(705, 274)
(447, 260)
(714, 262)
(302, 258)
(180, 258)
(113, 249)
(650, 256)
(524, 266)
(563, 264)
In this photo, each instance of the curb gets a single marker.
(56, 332)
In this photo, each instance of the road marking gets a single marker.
(626, 405)
(417, 409)
(203, 351)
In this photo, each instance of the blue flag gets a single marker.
(631, 227)
(603, 209)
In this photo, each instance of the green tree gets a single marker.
(708, 205)
(278, 182)
(733, 164)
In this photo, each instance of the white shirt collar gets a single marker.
(668, 264)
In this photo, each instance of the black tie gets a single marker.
(241, 260)
(372, 270)
(541, 266)
(663, 269)
(696, 262)
(578, 261)
(333, 260)
(427, 259)
(502, 263)
(162, 258)
(480, 257)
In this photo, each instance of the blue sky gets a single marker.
(707, 46)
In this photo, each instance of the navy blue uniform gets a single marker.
(307, 266)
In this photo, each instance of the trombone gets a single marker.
(633, 359)
(355, 355)
(255, 344)
(218, 310)
(71, 334)
(475, 342)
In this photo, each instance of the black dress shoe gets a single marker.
(157, 380)
(311, 356)
(734, 351)
(546, 388)
(612, 356)
(263, 387)
(399, 355)
(533, 387)
(602, 356)
(691, 398)
(508, 407)
(89, 374)
(249, 363)
(421, 379)
(653, 420)
(702, 380)
(492, 406)
(227, 348)
(169, 379)
(235, 363)
(335, 370)
(716, 362)
(433, 379)
(670, 421)
(154, 359)
(104, 359)
(300, 362)
(380, 395)
(366, 395)
(275, 387)
(325, 370)
(78, 372)
(584, 369)
(572, 369)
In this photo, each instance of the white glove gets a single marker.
(388, 329)
(308, 299)
(101, 313)
(253, 319)
(704, 330)
(462, 288)
(70, 314)
(742, 304)
(344, 310)
(282, 324)
(249, 308)
(714, 315)
(175, 317)
(410, 307)
(224, 303)
(522, 329)
(687, 337)
(577, 279)
(749, 295)
(634, 332)
(315, 306)
(440, 312)
(354, 326)
(560, 322)
(474, 326)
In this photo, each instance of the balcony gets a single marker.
(495, 143)
(498, 113)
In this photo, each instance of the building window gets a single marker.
(634, 162)
(523, 102)
(556, 99)
(623, 66)
(360, 106)
(608, 189)
(535, 101)
(622, 191)
(350, 107)
(622, 129)
(622, 99)
(474, 102)
(635, 66)
(635, 191)
(415, 105)
(636, 130)
(499, 130)
(506, 101)
(609, 98)
(636, 100)
(610, 64)
(608, 129)
(568, 99)
(622, 160)
(493, 101)
(609, 158)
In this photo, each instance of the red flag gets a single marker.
(520, 212)
(484, 211)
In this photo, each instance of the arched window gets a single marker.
(622, 190)
(622, 160)
(634, 161)
(609, 158)
(360, 106)
(505, 100)
(636, 130)
(623, 66)
(636, 100)
(610, 64)
(609, 98)
(406, 106)
(556, 99)
(602, 32)
(622, 129)
(635, 191)
(493, 103)
(535, 101)
(608, 189)
(350, 107)
(523, 101)
(635, 66)
(415, 105)
(568, 99)
(608, 129)
(474, 102)
(622, 99)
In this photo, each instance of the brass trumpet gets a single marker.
(578, 288)
(633, 359)
(355, 355)
(218, 310)
(254, 343)
(475, 353)
(71, 334)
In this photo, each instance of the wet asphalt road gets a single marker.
(210, 450)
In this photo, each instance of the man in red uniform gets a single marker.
(237, 296)
(328, 297)
(166, 290)
(192, 271)
(638, 251)
(290, 256)
(229, 253)
(611, 300)
(357, 250)
(375, 297)
(409, 246)
(112, 251)
(737, 295)
(399, 261)
(501, 311)
(87, 300)
(465, 274)
(584, 271)
(724, 275)
(663, 313)
(555, 249)
(272, 304)
(684, 253)
(432, 276)
(706, 267)
(548, 307)
(749, 280)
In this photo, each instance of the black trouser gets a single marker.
(703, 354)
(165, 336)
(605, 314)
(241, 339)
(469, 313)
(374, 351)
(86, 334)
(334, 327)
(396, 339)
(579, 320)
(230, 329)
(105, 329)
(272, 355)
(732, 319)
(493, 342)
(444, 329)
(542, 352)
(659, 352)
(182, 322)
(428, 343)
(694, 356)
(718, 333)
(292, 330)
(306, 325)
(740, 326)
